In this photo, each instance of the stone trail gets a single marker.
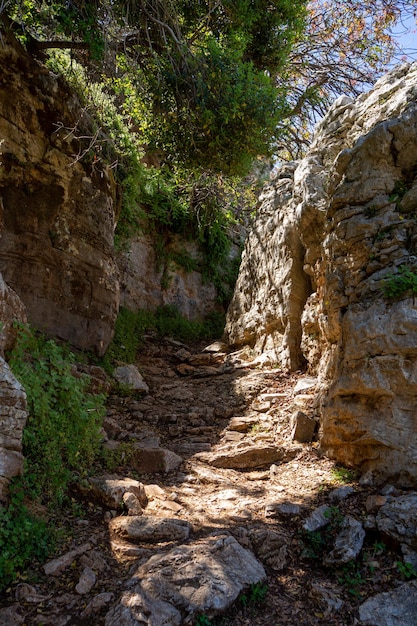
(211, 496)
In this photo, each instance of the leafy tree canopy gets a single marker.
(204, 71)
(214, 84)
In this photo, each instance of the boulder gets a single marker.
(247, 455)
(397, 519)
(204, 577)
(348, 542)
(109, 490)
(392, 608)
(130, 376)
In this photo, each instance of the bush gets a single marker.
(62, 434)
(166, 321)
(23, 537)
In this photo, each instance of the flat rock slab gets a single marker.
(393, 608)
(203, 577)
(245, 456)
(61, 563)
(149, 529)
(109, 490)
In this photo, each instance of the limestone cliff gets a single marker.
(330, 232)
(57, 215)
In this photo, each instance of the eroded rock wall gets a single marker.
(57, 214)
(326, 241)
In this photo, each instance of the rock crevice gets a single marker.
(344, 216)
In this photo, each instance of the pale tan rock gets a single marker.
(204, 577)
(303, 427)
(12, 310)
(243, 456)
(154, 460)
(330, 231)
(110, 489)
(242, 424)
(13, 416)
(86, 581)
(149, 529)
(61, 563)
(131, 501)
(130, 376)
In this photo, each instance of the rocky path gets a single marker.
(213, 513)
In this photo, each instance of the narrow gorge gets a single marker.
(280, 457)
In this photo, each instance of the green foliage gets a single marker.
(220, 111)
(203, 620)
(62, 431)
(400, 284)
(131, 327)
(400, 189)
(129, 330)
(406, 570)
(351, 577)
(343, 475)
(170, 323)
(23, 537)
(317, 543)
(255, 596)
(203, 77)
(314, 544)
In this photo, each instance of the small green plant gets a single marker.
(23, 537)
(203, 620)
(129, 331)
(120, 456)
(255, 596)
(370, 211)
(351, 577)
(406, 570)
(400, 189)
(397, 285)
(313, 544)
(342, 475)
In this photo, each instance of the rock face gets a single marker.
(148, 282)
(13, 415)
(315, 285)
(56, 210)
(11, 310)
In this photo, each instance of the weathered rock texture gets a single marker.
(12, 310)
(330, 230)
(13, 415)
(58, 209)
(148, 282)
(57, 213)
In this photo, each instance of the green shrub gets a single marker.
(170, 323)
(61, 436)
(129, 330)
(397, 285)
(166, 321)
(23, 537)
